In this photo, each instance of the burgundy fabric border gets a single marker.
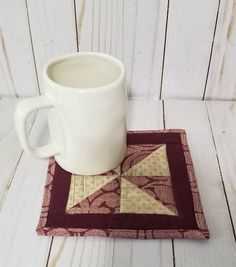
(127, 233)
(181, 186)
(153, 138)
(181, 190)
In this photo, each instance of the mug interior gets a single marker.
(84, 70)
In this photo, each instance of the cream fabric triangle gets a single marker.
(117, 170)
(84, 186)
(155, 164)
(134, 200)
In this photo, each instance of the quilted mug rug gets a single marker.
(152, 194)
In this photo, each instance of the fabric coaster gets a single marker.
(152, 194)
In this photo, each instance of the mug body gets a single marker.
(88, 121)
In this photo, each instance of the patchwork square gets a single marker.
(152, 194)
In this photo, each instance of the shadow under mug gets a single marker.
(86, 97)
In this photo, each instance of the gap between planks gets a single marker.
(32, 48)
(76, 25)
(164, 126)
(11, 177)
(212, 47)
(164, 52)
(221, 174)
(163, 107)
(49, 251)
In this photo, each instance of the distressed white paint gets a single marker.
(10, 149)
(17, 71)
(147, 49)
(21, 206)
(89, 251)
(133, 31)
(53, 31)
(220, 249)
(189, 39)
(222, 115)
(221, 82)
(20, 245)
(145, 114)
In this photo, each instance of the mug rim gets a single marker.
(79, 54)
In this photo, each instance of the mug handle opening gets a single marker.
(23, 109)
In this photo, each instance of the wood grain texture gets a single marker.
(10, 149)
(74, 251)
(220, 249)
(188, 46)
(224, 133)
(95, 251)
(171, 49)
(17, 70)
(221, 82)
(53, 30)
(20, 245)
(133, 31)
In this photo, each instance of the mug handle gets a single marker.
(23, 109)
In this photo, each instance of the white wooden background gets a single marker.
(211, 132)
(171, 48)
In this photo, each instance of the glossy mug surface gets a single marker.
(86, 97)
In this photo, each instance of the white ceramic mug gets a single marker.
(86, 97)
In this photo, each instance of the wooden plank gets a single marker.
(95, 251)
(17, 70)
(220, 249)
(142, 253)
(148, 45)
(145, 114)
(10, 149)
(222, 117)
(188, 46)
(129, 42)
(20, 245)
(133, 31)
(221, 82)
(53, 30)
(89, 251)
(85, 24)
